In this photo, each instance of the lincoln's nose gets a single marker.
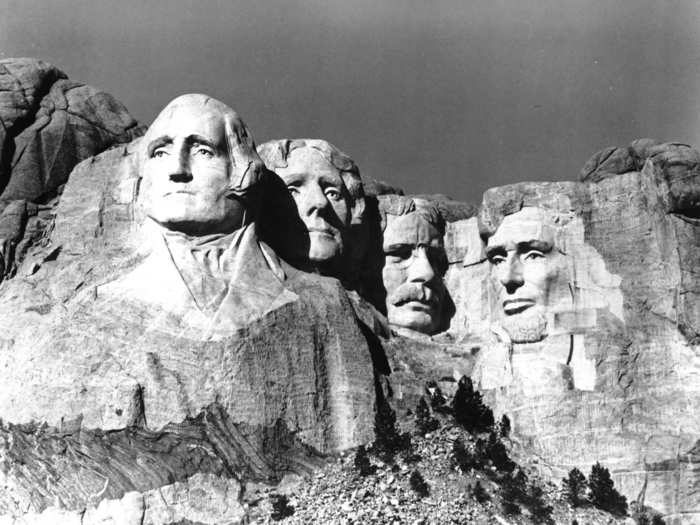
(511, 274)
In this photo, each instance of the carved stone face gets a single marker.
(322, 201)
(526, 268)
(186, 172)
(414, 264)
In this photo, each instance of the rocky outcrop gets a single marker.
(48, 124)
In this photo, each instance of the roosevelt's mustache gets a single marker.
(412, 292)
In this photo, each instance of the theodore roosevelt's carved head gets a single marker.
(199, 167)
(327, 190)
(414, 263)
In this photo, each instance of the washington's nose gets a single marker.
(180, 169)
(420, 269)
(511, 274)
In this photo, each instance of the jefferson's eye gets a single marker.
(292, 189)
(333, 194)
(158, 153)
(497, 259)
(397, 254)
(532, 255)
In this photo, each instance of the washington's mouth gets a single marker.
(516, 306)
(183, 192)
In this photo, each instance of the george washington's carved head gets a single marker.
(199, 168)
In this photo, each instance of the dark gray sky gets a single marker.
(434, 96)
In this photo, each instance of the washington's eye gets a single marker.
(203, 151)
(292, 189)
(532, 255)
(158, 153)
(497, 259)
(333, 194)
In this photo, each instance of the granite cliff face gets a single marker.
(151, 394)
(608, 370)
(159, 356)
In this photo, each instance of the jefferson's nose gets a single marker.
(420, 270)
(511, 273)
(312, 199)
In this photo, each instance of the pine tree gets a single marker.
(497, 453)
(513, 491)
(464, 459)
(438, 401)
(362, 463)
(425, 422)
(541, 512)
(603, 492)
(418, 484)
(504, 427)
(575, 487)
(469, 409)
(479, 493)
(280, 507)
(388, 440)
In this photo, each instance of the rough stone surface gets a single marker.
(576, 311)
(111, 395)
(612, 374)
(48, 124)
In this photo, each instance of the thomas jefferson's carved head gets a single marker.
(327, 190)
(199, 167)
(414, 263)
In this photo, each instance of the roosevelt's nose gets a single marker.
(511, 273)
(179, 169)
(311, 199)
(420, 270)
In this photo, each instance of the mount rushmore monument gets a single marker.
(185, 310)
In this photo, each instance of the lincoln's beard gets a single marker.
(526, 327)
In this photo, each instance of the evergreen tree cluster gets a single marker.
(517, 490)
(469, 408)
(281, 508)
(602, 492)
(388, 441)
(598, 490)
(425, 422)
(418, 484)
(362, 462)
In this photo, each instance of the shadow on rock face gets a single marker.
(280, 225)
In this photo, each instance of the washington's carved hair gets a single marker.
(246, 168)
(275, 154)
